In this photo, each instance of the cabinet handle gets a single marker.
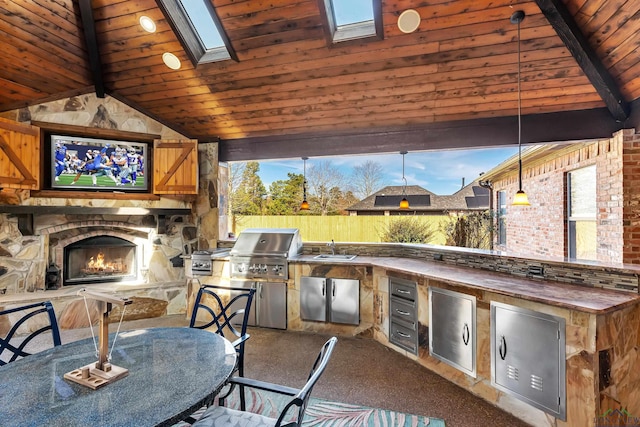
(465, 334)
(323, 289)
(503, 347)
(402, 334)
(404, 313)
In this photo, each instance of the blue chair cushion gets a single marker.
(220, 416)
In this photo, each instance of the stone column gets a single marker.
(207, 206)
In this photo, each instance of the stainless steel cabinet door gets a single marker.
(344, 297)
(313, 299)
(452, 329)
(272, 305)
(528, 356)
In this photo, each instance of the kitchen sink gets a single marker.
(335, 257)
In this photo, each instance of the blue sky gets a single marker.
(438, 171)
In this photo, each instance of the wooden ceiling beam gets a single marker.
(563, 22)
(468, 134)
(89, 26)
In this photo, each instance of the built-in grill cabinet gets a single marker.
(528, 357)
(403, 314)
(452, 329)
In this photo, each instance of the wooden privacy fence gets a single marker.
(339, 228)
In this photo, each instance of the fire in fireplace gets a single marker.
(99, 259)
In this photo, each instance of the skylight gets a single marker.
(353, 19)
(203, 23)
(352, 11)
(199, 29)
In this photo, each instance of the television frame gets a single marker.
(94, 173)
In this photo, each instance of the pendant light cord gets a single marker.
(519, 116)
(404, 187)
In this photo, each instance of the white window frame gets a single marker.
(572, 220)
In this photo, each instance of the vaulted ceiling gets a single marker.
(450, 84)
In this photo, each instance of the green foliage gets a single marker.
(285, 196)
(407, 229)
(472, 230)
(247, 199)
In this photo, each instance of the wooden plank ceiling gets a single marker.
(458, 70)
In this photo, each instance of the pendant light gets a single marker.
(304, 206)
(404, 203)
(520, 199)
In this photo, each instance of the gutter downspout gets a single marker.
(488, 185)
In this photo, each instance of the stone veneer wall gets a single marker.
(161, 287)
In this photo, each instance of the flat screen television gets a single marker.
(79, 163)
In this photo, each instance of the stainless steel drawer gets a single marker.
(404, 337)
(404, 311)
(403, 289)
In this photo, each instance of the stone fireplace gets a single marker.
(139, 256)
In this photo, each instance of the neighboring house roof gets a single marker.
(470, 197)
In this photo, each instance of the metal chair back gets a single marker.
(13, 345)
(301, 400)
(225, 310)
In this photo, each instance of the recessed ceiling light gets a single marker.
(147, 24)
(171, 61)
(408, 21)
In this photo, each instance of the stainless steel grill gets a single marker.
(263, 253)
(202, 261)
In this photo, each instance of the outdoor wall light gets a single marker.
(304, 206)
(520, 199)
(404, 203)
(147, 24)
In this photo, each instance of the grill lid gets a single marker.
(279, 242)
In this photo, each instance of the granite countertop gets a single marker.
(575, 297)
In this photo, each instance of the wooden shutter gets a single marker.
(19, 155)
(175, 166)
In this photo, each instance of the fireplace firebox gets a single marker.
(99, 259)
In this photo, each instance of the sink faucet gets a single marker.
(332, 245)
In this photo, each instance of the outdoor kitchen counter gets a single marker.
(575, 297)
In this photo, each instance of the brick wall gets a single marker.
(630, 195)
(540, 230)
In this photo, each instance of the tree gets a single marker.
(285, 196)
(407, 229)
(323, 179)
(367, 178)
(472, 230)
(236, 170)
(249, 196)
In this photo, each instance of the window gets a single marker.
(501, 220)
(581, 214)
(198, 27)
(352, 19)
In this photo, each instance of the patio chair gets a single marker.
(221, 416)
(228, 319)
(14, 346)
